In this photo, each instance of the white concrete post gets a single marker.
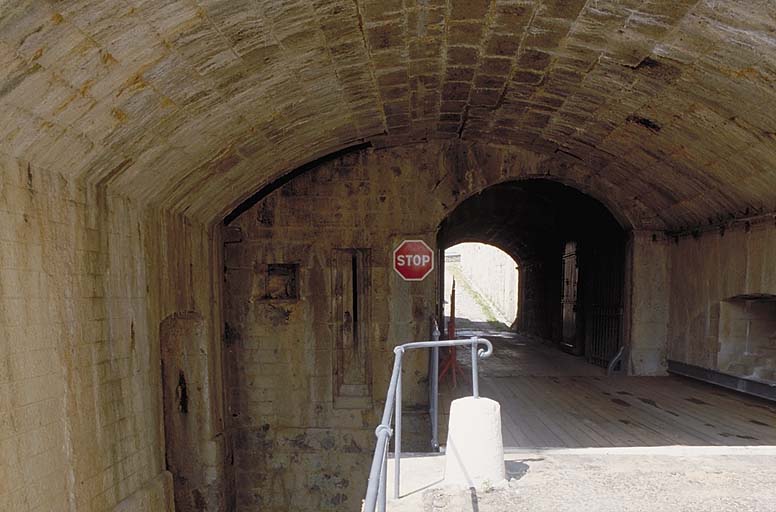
(474, 455)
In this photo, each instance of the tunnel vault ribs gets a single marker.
(182, 107)
(130, 129)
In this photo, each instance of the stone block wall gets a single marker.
(84, 282)
(747, 336)
(88, 277)
(710, 268)
(648, 294)
(298, 444)
(301, 442)
(35, 210)
(494, 274)
(78, 394)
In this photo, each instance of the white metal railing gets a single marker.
(378, 473)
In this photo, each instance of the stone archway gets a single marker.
(534, 221)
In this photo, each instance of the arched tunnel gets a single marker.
(534, 221)
(200, 203)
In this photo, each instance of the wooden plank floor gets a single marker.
(578, 412)
(551, 399)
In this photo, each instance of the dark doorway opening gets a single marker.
(571, 255)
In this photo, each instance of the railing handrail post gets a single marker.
(434, 387)
(382, 491)
(375, 492)
(397, 439)
(475, 374)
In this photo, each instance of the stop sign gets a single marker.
(413, 260)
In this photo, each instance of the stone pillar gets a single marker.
(193, 449)
(648, 303)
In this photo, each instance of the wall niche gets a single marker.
(747, 337)
(277, 282)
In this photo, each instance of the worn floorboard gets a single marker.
(596, 412)
(551, 399)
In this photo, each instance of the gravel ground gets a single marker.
(607, 482)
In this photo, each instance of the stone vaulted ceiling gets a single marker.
(529, 219)
(193, 105)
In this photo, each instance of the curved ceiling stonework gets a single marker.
(529, 219)
(194, 105)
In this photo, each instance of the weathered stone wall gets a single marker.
(709, 268)
(296, 445)
(197, 104)
(494, 274)
(33, 456)
(84, 281)
(647, 297)
(654, 107)
(183, 259)
(79, 403)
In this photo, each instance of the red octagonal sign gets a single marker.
(413, 260)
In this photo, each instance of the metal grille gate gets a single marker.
(603, 296)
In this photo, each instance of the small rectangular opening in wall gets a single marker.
(747, 337)
(282, 281)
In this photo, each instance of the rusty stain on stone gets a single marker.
(136, 82)
(84, 89)
(226, 162)
(747, 72)
(119, 114)
(107, 58)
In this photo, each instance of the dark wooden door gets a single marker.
(570, 298)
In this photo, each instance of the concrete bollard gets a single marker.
(474, 454)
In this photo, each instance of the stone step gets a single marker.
(758, 366)
(764, 373)
(740, 369)
(767, 351)
(757, 356)
(759, 359)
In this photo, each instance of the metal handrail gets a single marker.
(376, 488)
(618, 358)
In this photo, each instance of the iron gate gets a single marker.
(603, 296)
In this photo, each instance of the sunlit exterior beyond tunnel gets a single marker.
(221, 221)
